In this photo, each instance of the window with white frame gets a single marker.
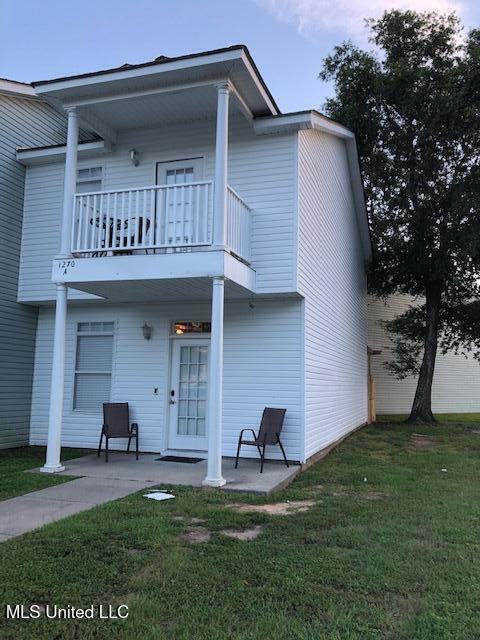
(89, 179)
(93, 365)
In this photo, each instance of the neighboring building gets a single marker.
(214, 253)
(456, 382)
(25, 120)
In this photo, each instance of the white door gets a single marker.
(188, 395)
(176, 206)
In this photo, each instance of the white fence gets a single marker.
(156, 217)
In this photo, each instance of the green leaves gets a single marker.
(413, 103)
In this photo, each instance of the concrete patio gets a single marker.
(149, 470)
(98, 482)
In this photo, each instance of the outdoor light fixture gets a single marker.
(147, 330)
(134, 157)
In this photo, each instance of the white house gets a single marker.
(25, 120)
(456, 381)
(201, 257)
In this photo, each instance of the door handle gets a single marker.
(172, 396)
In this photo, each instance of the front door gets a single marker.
(188, 394)
(176, 206)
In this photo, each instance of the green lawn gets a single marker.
(13, 463)
(454, 418)
(395, 557)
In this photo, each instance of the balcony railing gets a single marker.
(238, 225)
(157, 217)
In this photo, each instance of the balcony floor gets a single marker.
(143, 278)
(175, 290)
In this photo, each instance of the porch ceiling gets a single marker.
(154, 110)
(178, 290)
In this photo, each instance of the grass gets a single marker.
(454, 418)
(395, 557)
(13, 463)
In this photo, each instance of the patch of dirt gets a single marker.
(189, 520)
(245, 534)
(379, 455)
(374, 495)
(277, 509)
(196, 535)
(367, 495)
(475, 432)
(331, 490)
(401, 608)
(423, 441)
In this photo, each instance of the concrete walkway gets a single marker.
(35, 509)
(123, 475)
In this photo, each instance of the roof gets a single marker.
(29, 156)
(16, 88)
(295, 120)
(158, 62)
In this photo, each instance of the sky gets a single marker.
(288, 39)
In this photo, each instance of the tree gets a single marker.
(414, 106)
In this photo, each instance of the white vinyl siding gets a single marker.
(262, 367)
(23, 122)
(93, 365)
(456, 381)
(261, 170)
(331, 276)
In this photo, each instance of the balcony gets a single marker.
(156, 219)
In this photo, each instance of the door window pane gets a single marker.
(192, 391)
(201, 431)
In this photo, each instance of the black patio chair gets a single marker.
(269, 433)
(116, 424)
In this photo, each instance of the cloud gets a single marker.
(313, 16)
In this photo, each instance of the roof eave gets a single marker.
(56, 153)
(17, 89)
(51, 88)
(298, 120)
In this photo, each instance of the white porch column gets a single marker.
(69, 183)
(215, 389)
(221, 161)
(53, 464)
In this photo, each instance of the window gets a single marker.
(89, 179)
(179, 328)
(93, 365)
(180, 176)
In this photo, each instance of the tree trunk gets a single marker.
(422, 403)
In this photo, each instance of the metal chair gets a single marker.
(269, 433)
(116, 424)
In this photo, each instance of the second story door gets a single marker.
(177, 202)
